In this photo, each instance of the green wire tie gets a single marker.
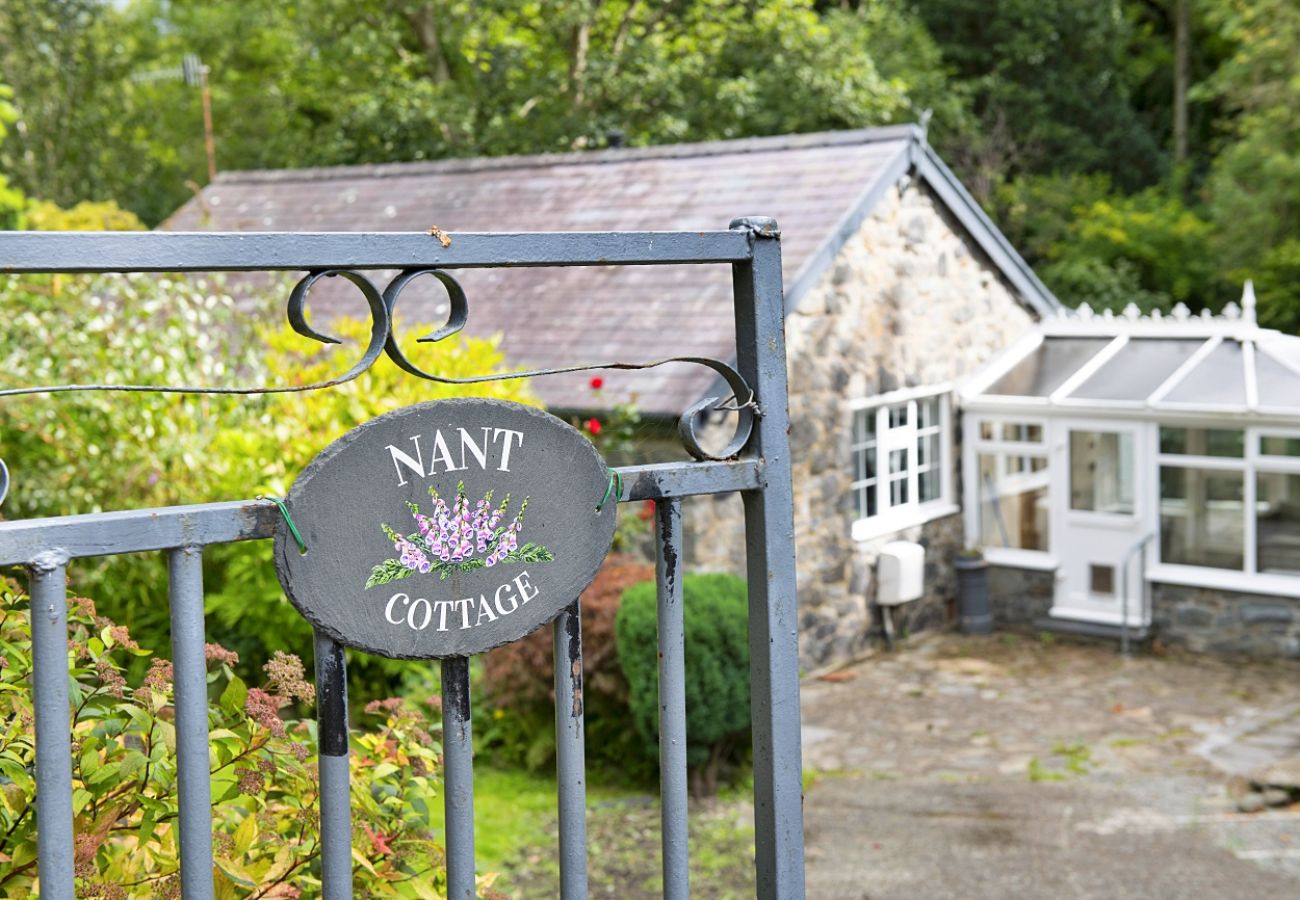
(614, 479)
(288, 520)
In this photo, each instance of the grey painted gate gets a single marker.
(757, 465)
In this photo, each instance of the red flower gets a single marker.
(593, 425)
(597, 383)
(647, 511)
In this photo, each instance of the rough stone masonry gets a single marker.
(909, 301)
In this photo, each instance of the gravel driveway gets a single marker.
(1012, 766)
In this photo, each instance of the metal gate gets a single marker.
(759, 470)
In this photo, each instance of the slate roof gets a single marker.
(819, 187)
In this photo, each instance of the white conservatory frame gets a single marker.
(1184, 369)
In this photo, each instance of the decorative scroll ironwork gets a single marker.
(383, 341)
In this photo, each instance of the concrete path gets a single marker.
(1011, 767)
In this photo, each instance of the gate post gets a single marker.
(769, 537)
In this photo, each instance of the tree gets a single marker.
(332, 82)
(12, 201)
(66, 63)
(1254, 186)
(1048, 86)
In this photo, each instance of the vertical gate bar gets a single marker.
(570, 753)
(49, 611)
(335, 788)
(672, 700)
(769, 538)
(458, 778)
(190, 671)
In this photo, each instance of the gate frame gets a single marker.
(760, 472)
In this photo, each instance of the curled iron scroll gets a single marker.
(383, 340)
(4, 482)
(687, 424)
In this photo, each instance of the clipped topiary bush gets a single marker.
(717, 670)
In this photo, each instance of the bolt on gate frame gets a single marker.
(757, 466)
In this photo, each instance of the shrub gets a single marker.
(717, 670)
(264, 779)
(518, 718)
(87, 452)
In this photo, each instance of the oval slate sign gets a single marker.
(446, 528)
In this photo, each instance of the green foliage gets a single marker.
(1254, 184)
(329, 81)
(94, 451)
(1107, 249)
(717, 669)
(615, 433)
(78, 134)
(1048, 85)
(87, 215)
(89, 452)
(266, 835)
(1277, 283)
(12, 201)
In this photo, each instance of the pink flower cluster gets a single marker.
(459, 532)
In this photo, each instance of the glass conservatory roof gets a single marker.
(1223, 365)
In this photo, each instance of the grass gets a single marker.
(1076, 759)
(515, 835)
(512, 809)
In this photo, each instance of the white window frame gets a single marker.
(1005, 450)
(890, 519)
(1250, 464)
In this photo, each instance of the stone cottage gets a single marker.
(897, 287)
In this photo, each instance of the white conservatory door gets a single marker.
(1100, 524)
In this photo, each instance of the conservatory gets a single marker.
(1124, 454)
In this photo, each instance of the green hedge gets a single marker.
(717, 669)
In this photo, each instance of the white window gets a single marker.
(1010, 485)
(1230, 499)
(900, 457)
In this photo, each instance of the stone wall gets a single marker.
(909, 301)
(1226, 621)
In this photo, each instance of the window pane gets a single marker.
(1101, 471)
(897, 462)
(865, 501)
(1101, 579)
(1018, 464)
(1202, 441)
(864, 426)
(864, 464)
(927, 486)
(1012, 511)
(927, 411)
(1277, 522)
(1202, 521)
(1274, 445)
(927, 450)
(1219, 378)
(1022, 432)
(986, 431)
(898, 492)
(1048, 367)
(898, 415)
(1141, 366)
(1277, 383)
